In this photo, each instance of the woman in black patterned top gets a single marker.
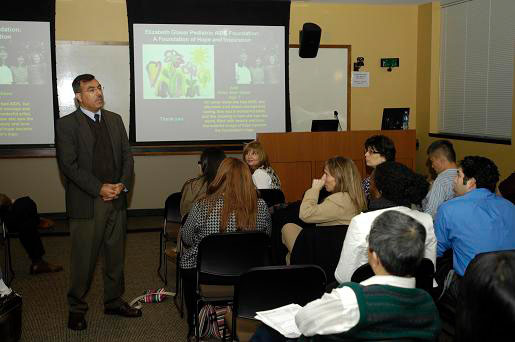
(230, 204)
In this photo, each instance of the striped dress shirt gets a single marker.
(442, 190)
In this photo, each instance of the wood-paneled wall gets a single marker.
(298, 157)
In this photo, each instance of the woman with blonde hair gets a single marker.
(342, 180)
(230, 204)
(263, 175)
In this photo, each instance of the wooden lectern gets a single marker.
(298, 157)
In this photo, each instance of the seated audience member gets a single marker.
(385, 306)
(432, 173)
(486, 305)
(507, 188)
(476, 221)
(393, 186)
(194, 188)
(263, 175)
(230, 204)
(341, 179)
(378, 149)
(443, 161)
(22, 217)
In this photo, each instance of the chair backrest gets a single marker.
(227, 255)
(272, 196)
(424, 276)
(172, 208)
(320, 246)
(265, 288)
(362, 273)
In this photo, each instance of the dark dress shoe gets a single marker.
(44, 267)
(124, 310)
(76, 321)
(9, 300)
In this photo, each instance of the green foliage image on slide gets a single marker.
(178, 71)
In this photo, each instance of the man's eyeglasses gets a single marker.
(92, 90)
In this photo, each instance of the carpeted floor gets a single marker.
(45, 310)
(134, 224)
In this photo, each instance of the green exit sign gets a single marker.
(389, 62)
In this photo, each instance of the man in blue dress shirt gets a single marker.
(477, 220)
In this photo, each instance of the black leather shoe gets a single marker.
(76, 321)
(9, 301)
(44, 267)
(124, 310)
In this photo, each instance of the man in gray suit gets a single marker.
(95, 157)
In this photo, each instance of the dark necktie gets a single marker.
(97, 118)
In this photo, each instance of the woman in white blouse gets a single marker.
(393, 186)
(263, 175)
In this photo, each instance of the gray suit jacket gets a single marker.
(74, 143)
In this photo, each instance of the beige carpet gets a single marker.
(45, 309)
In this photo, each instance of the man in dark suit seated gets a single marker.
(95, 158)
(386, 306)
(22, 217)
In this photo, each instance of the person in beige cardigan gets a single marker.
(347, 199)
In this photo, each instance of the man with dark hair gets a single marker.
(476, 221)
(95, 157)
(385, 306)
(443, 161)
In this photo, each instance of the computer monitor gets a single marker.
(395, 118)
(324, 125)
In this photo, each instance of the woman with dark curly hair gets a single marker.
(393, 187)
(395, 184)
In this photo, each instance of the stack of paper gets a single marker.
(282, 319)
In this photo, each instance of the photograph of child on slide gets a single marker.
(178, 71)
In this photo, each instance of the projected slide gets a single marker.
(26, 96)
(208, 82)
